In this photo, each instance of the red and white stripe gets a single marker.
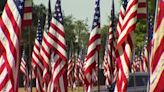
(70, 72)
(23, 66)
(109, 58)
(36, 60)
(38, 76)
(125, 44)
(157, 52)
(24, 70)
(37, 65)
(56, 41)
(136, 65)
(45, 56)
(128, 23)
(142, 9)
(120, 21)
(145, 59)
(27, 19)
(81, 71)
(107, 70)
(10, 30)
(76, 72)
(92, 56)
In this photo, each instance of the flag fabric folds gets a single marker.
(157, 52)
(36, 60)
(124, 48)
(57, 45)
(144, 57)
(110, 57)
(24, 69)
(10, 31)
(107, 68)
(27, 18)
(142, 9)
(80, 67)
(93, 49)
(70, 69)
(45, 53)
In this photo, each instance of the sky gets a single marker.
(83, 9)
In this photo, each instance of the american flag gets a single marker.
(36, 60)
(70, 71)
(124, 48)
(80, 67)
(136, 65)
(45, 52)
(157, 53)
(142, 9)
(110, 57)
(24, 69)
(93, 48)
(107, 68)
(144, 58)
(27, 19)
(76, 71)
(10, 31)
(56, 42)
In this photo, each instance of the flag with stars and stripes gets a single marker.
(124, 48)
(107, 68)
(93, 48)
(57, 45)
(144, 55)
(10, 31)
(36, 60)
(45, 52)
(157, 52)
(24, 69)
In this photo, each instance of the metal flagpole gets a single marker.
(98, 80)
(30, 66)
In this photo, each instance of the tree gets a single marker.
(81, 34)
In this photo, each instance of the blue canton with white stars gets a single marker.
(150, 31)
(20, 6)
(96, 20)
(39, 32)
(58, 13)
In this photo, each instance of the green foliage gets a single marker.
(140, 34)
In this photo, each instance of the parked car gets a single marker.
(137, 82)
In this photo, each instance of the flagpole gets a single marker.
(30, 67)
(98, 80)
